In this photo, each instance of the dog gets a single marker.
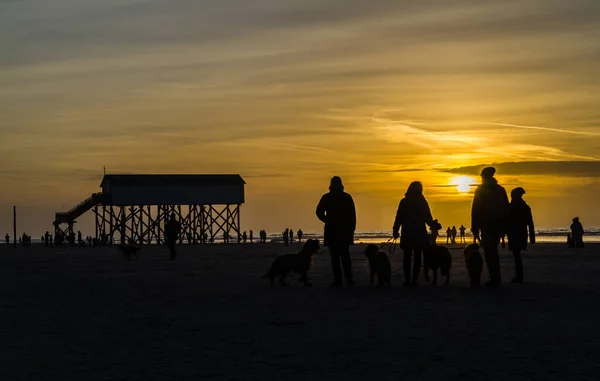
(297, 263)
(474, 264)
(437, 257)
(129, 251)
(379, 264)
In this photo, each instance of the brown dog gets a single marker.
(379, 264)
(298, 263)
(437, 257)
(474, 263)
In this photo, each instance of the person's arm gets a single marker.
(322, 209)
(352, 214)
(475, 215)
(398, 220)
(531, 227)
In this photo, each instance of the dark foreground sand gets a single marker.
(85, 314)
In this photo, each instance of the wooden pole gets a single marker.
(15, 226)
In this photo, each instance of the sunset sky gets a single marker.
(289, 93)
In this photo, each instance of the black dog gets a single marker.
(129, 251)
(379, 264)
(474, 264)
(298, 263)
(437, 257)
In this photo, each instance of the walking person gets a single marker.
(489, 218)
(462, 231)
(412, 215)
(300, 234)
(336, 209)
(520, 220)
(448, 235)
(172, 231)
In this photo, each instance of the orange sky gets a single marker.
(289, 93)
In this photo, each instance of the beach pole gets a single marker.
(15, 225)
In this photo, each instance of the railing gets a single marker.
(80, 208)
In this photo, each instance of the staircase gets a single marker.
(87, 204)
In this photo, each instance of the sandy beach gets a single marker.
(85, 314)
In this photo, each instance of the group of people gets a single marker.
(288, 236)
(452, 232)
(493, 217)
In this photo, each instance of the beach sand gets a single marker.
(85, 314)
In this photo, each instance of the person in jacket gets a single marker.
(577, 233)
(489, 218)
(336, 209)
(412, 215)
(520, 221)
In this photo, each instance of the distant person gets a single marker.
(286, 237)
(300, 234)
(244, 237)
(51, 240)
(251, 236)
(462, 231)
(47, 239)
(336, 209)
(79, 238)
(225, 237)
(435, 231)
(172, 231)
(412, 215)
(7, 238)
(577, 233)
(570, 241)
(291, 236)
(520, 219)
(454, 233)
(448, 235)
(489, 217)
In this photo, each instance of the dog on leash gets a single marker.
(297, 263)
(474, 264)
(379, 264)
(437, 257)
(129, 251)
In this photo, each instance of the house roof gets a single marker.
(205, 180)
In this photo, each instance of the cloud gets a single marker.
(538, 168)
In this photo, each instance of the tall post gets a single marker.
(15, 226)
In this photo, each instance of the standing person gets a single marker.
(300, 234)
(489, 217)
(172, 231)
(251, 236)
(448, 235)
(7, 238)
(520, 219)
(577, 233)
(412, 215)
(336, 209)
(244, 236)
(454, 233)
(462, 231)
(286, 237)
(291, 236)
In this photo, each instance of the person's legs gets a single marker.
(407, 255)
(518, 266)
(336, 265)
(490, 242)
(346, 264)
(416, 266)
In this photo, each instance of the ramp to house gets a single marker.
(79, 209)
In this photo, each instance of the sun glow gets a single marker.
(463, 183)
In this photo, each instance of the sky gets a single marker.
(289, 93)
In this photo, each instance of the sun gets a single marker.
(463, 183)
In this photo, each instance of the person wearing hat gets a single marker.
(489, 218)
(336, 209)
(520, 220)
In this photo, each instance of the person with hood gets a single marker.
(336, 209)
(520, 220)
(489, 218)
(577, 233)
(412, 215)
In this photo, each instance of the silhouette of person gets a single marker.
(51, 240)
(7, 238)
(336, 209)
(520, 219)
(454, 232)
(286, 237)
(79, 238)
(300, 234)
(251, 236)
(291, 236)
(172, 231)
(462, 231)
(448, 235)
(489, 217)
(244, 237)
(47, 238)
(570, 241)
(412, 215)
(435, 232)
(577, 233)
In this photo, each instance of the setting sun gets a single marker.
(463, 183)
